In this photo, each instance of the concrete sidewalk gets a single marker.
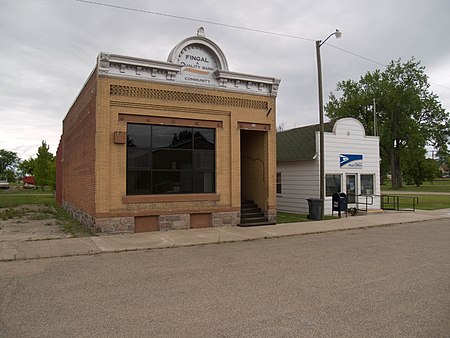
(19, 250)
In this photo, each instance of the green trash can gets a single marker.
(315, 208)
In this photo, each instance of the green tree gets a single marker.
(8, 162)
(26, 167)
(10, 175)
(408, 115)
(44, 170)
(417, 169)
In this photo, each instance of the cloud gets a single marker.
(50, 48)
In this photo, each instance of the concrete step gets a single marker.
(256, 224)
(252, 214)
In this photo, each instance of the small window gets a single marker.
(278, 183)
(333, 184)
(367, 184)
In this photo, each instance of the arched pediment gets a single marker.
(198, 53)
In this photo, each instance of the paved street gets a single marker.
(380, 282)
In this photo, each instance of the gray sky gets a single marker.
(48, 49)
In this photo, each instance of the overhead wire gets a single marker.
(144, 11)
(194, 20)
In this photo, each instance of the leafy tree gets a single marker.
(408, 115)
(8, 162)
(44, 170)
(26, 167)
(432, 170)
(417, 169)
(10, 175)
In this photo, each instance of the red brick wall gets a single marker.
(78, 151)
(59, 179)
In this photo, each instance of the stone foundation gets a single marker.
(271, 215)
(165, 222)
(105, 225)
(80, 215)
(115, 224)
(174, 222)
(231, 218)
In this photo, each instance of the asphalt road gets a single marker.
(381, 282)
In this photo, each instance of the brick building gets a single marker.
(151, 145)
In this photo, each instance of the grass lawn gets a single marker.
(438, 185)
(425, 202)
(284, 217)
(14, 198)
(433, 202)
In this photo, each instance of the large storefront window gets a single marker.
(367, 184)
(170, 160)
(333, 184)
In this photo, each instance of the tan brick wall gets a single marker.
(111, 159)
(94, 167)
(78, 150)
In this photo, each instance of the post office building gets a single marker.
(351, 163)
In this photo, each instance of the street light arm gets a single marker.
(338, 34)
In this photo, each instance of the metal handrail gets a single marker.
(368, 201)
(392, 202)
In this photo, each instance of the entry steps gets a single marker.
(252, 216)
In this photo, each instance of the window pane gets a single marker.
(278, 183)
(138, 158)
(161, 159)
(204, 159)
(333, 184)
(172, 182)
(204, 138)
(204, 181)
(138, 135)
(171, 137)
(367, 184)
(138, 182)
(172, 159)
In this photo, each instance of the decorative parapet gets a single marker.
(264, 85)
(158, 71)
(129, 67)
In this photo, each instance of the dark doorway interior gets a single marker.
(254, 180)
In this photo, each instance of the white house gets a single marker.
(352, 166)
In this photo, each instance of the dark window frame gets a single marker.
(191, 169)
(279, 183)
(364, 187)
(328, 191)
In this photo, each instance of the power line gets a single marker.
(378, 63)
(223, 25)
(194, 20)
(357, 55)
(235, 27)
(438, 85)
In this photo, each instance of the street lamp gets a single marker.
(319, 43)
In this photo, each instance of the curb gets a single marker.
(70, 247)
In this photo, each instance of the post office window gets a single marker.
(367, 184)
(333, 184)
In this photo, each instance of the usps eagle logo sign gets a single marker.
(350, 161)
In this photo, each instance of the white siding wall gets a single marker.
(300, 179)
(349, 138)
